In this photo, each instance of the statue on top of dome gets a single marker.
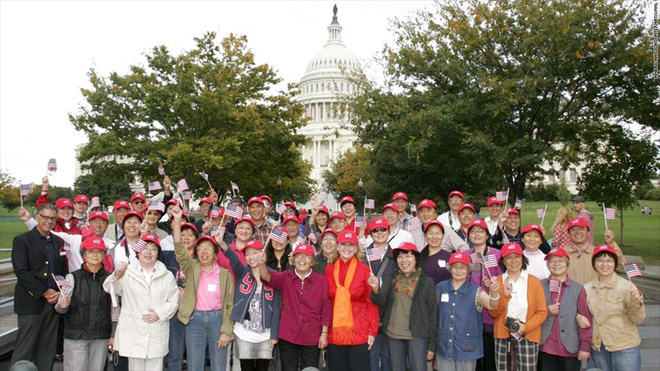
(334, 10)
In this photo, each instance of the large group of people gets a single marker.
(292, 289)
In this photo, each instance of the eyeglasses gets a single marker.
(205, 248)
(138, 202)
(50, 218)
(379, 230)
(477, 231)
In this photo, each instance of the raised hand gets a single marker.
(24, 214)
(121, 269)
(508, 287)
(44, 184)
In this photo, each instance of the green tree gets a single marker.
(110, 183)
(9, 195)
(482, 92)
(206, 110)
(618, 164)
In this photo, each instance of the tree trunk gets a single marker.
(621, 234)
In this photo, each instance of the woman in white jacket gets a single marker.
(149, 299)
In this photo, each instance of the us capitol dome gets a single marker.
(322, 87)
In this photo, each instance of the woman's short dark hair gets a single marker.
(398, 252)
(603, 253)
(216, 249)
(503, 267)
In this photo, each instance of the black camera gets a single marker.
(512, 324)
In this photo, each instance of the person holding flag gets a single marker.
(400, 199)
(508, 229)
(617, 307)
(80, 207)
(205, 206)
(278, 249)
(244, 230)
(484, 260)
(262, 228)
(564, 344)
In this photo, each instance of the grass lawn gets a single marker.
(641, 232)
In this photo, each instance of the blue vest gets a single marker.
(460, 325)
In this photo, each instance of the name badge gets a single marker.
(442, 263)
(444, 298)
(211, 287)
(62, 253)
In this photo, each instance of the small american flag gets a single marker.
(375, 254)
(95, 202)
(359, 221)
(186, 195)
(52, 165)
(154, 186)
(413, 208)
(204, 175)
(610, 213)
(280, 209)
(540, 212)
(25, 189)
(277, 234)
(234, 211)
(182, 185)
(215, 212)
(234, 187)
(519, 203)
(501, 195)
(312, 237)
(139, 245)
(632, 270)
(476, 258)
(301, 238)
(370, 204)
(490, 262)
(415, 224)
(554, 285)
(161, 170)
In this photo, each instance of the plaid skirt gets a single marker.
(511, 355)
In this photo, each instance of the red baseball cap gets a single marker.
(379, 222)
(99, 214)
(290, 205)
(602, 248)
(304, 248)
(477, 223)
(513, 211)
(434, 222)
(346, 199)
(400, 195)
(466, 206)
(121, 204)
(337, 215)
(406, 246)
(557, 252)
(533, 227)
(459, 257)
(511, 248)
(255, 244)
(426, 203)
(205, 238)
(63, 202)
(156, 206)
(328, 231)
(255, 199)
(138, 196)
(150, 237)
(347, 236)
(189, 226)
(267, 198)
(290, 218)
(389, 206)
(93, 243)
(244, 218)
(207, 199)
(456, 193)
(131, 214)
(81, 198)
(493, 200)
(171, 202)
(578, 222)
(324, 209)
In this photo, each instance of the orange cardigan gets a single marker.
(536, 311)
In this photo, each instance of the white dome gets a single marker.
(334, 56)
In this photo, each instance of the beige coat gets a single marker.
(135, 337)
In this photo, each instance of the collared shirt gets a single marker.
(399, 236)
(517, 307)
(448, 219)
(148, 275)
(405, 222)
(615, 314)
(553, 344)
(492, 225)
(209, 296)
(580, 270)
(261, 232)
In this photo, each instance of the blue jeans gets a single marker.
(203, 331)
(414, 350)
(380, 357)
(622, 360)
(177, 345)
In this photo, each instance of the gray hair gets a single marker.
(46, 206)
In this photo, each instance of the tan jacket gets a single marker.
(580, 269)
(615, 314)
(192, 269)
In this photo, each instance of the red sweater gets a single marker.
(365, 313)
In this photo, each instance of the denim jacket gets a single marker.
(460, 324)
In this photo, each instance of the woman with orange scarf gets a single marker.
(354, 316)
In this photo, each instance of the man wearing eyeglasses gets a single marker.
(38, 257)
(139, 202)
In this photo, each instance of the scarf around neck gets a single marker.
(342, 311)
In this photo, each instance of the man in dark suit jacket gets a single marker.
(37, 256)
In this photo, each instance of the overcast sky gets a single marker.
(47, 49)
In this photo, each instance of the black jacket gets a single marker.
(423, 312)
(88, 316)
(30, 262)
